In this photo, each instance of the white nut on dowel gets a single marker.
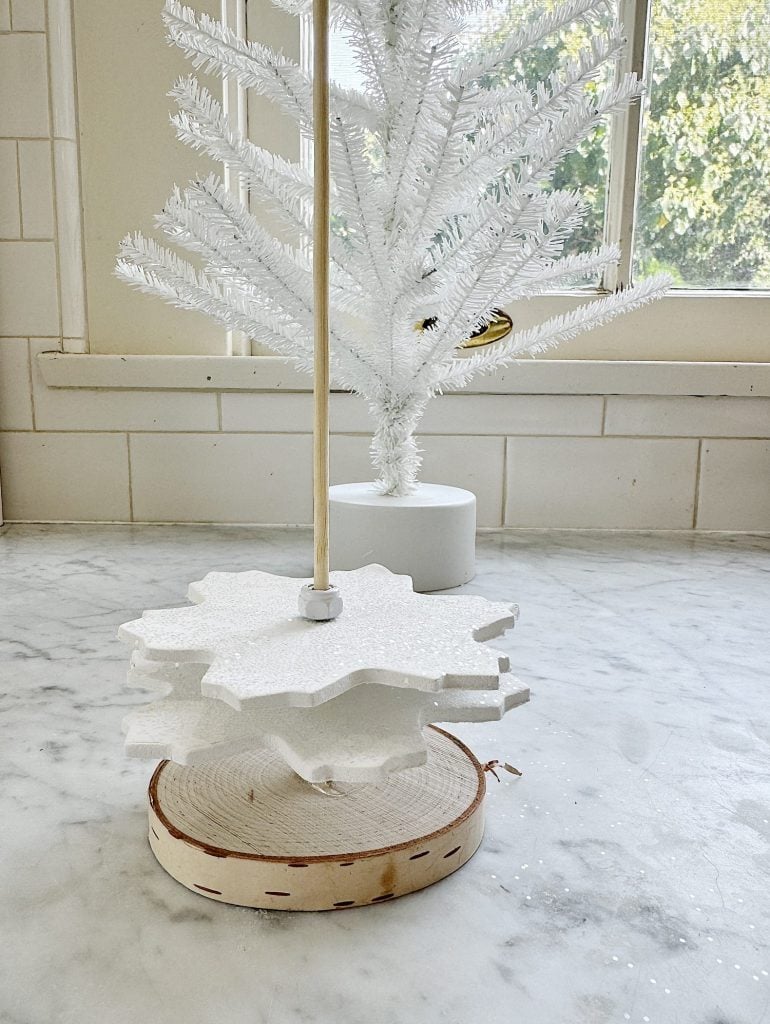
(320, 605)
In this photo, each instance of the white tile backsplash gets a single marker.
(603, 483)
(23, 86)
(513, 414)
(5, 15)
(475, 463)
(15, 396)
(64, 477)
(86, 409)
(734, 489)
(28, 15)
(28, 289)
(36, 189)
(291, 413)
(446, 414)
(10, 219)
(557, 482)
(224, 478)
(688, 417)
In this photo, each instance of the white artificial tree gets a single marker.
(440, 205)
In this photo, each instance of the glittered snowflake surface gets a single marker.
(246, 628)
(360, 736)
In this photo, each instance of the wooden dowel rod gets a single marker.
(321, 293)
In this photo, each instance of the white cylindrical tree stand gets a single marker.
(247, 830)
(429, 535)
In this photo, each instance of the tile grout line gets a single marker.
(193, 431)
(20, 31)
(696, 495)
(130, 479)
(18, 189)
(32, 138)
(604, 416)
(31, 388)
(81, 204)
(599, 530)
(504, 500)
(54, 184)
(43, 337)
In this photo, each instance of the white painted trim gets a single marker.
(686, 326)
(625, 148)
(534, 377)
(234, 106)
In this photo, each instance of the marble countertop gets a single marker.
(624, 877)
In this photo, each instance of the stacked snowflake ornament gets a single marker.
(440, 207)
(342, 701)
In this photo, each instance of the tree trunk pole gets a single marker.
(321, 293)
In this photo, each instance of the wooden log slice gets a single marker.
(247, 830)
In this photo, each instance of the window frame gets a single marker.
(625, 150)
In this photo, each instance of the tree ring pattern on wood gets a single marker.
(389, 839)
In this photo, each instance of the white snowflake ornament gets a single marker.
(344, 700)
(360, 736)
(245, 627)
(179, 679)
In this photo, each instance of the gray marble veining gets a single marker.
(624, 877)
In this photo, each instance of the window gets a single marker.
(700, 211)
(704, 194)
(585, 169)
(682, 183)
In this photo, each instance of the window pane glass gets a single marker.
(586, 168)
(705, 177)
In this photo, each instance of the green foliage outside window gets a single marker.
(704, 203)
(704, 210)
(585, 170)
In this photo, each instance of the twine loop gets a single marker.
(491, 766)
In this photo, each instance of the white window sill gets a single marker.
(531, 376)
